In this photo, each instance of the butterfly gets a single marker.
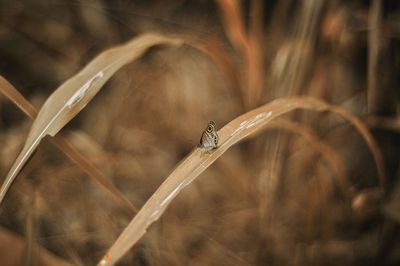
(209, 138)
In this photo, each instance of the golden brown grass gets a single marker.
(307, 156)
(73, 95)
(199, 160)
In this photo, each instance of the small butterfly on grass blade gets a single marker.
(209, 138)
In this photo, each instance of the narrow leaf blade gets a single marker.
(198, 161)
(70, 151)
(74, 94)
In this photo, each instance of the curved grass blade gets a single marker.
(73, 95)
(198, 161)
(61, 143)
(325, 150)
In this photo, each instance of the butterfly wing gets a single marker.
(209, 138)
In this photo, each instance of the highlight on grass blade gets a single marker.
(68, 149)
(198, 161)
(73, 95)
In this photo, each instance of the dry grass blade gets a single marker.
(231, 14)
(199, 160)
(13, 95)
(247, 44)
(31, 220)
(375, 95)
(321, 147)
(73, 95)
(88, 167)
(70, 151)
(373, 146)
(255, 54)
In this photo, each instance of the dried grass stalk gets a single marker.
(73, 95)
(64, 145)
(324, 149)
(199, 160)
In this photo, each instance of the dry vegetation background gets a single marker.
(273, 199)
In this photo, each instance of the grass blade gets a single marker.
(376, 94)
(73, 95)
(198, 161)
(325, 150)
(13, 95)
(61, 143)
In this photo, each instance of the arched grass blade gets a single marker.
(325, 150)
(73, 95)
(199, 160)
(68, 149)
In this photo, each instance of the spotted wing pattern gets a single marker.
(209, 138)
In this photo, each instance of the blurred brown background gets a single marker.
(271, 200)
